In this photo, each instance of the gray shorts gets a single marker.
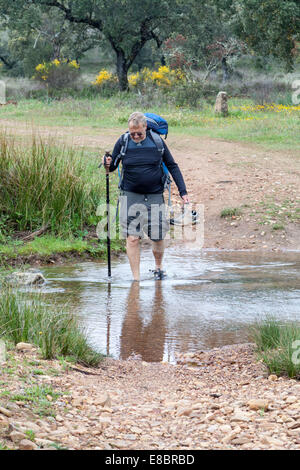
(143, 214)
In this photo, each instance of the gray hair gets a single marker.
(137, 118)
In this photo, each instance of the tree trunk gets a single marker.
(225, 70)
(56, 50)
(122, 70)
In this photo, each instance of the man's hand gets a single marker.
(185, 199)
(106, 160)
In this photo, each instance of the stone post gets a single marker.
(221, 106)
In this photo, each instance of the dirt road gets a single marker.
(261, 185)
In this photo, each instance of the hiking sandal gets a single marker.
(186, 218)
(159, 274)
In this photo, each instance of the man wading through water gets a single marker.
(142, 203)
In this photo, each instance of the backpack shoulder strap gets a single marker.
(158, 141)
(123, 150)
(125, 139)
(119, 158)
(160, 147)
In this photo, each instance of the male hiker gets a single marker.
(142, 186)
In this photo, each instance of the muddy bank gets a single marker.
(69, 257)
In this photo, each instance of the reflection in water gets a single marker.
(108, 318)
(207, 300)
(146, 340)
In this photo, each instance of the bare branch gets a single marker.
(69, 15)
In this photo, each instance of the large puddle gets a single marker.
(209, 299)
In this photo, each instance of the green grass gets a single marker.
(49, 244)
(37, 397)
(271, 129)
(30, 434)
(278, 214)
(230, 212)
(56, 331)
(3, 446)
(278, 346)
(277, 227)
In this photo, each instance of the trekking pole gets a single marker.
(107, 154)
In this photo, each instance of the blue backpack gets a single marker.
(158, 126)
(157, 123)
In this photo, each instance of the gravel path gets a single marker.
(218, 399)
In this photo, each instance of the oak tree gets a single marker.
(126, 24)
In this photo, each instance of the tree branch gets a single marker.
(157, 40)
(146, 34)
(69, 15)
(5, 62)
(37, 233)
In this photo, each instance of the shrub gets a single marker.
(262, 91)
(57, 74)
(266, 91)
(164, 78)
(140, 80)
(193, 93)
(106, 83)
(23, 88)
(144, 80)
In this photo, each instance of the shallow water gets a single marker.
(209, 299)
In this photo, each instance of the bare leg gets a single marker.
(158, 252)
(133, 253)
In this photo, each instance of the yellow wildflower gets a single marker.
(74, 64)
(103, 76)
(133, 78)
(40, 67)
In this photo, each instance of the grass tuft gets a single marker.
(25, 318)
(43, 185)
(278, 346)
(231, 212)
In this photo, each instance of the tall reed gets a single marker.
(42, 184)
(25, 318)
